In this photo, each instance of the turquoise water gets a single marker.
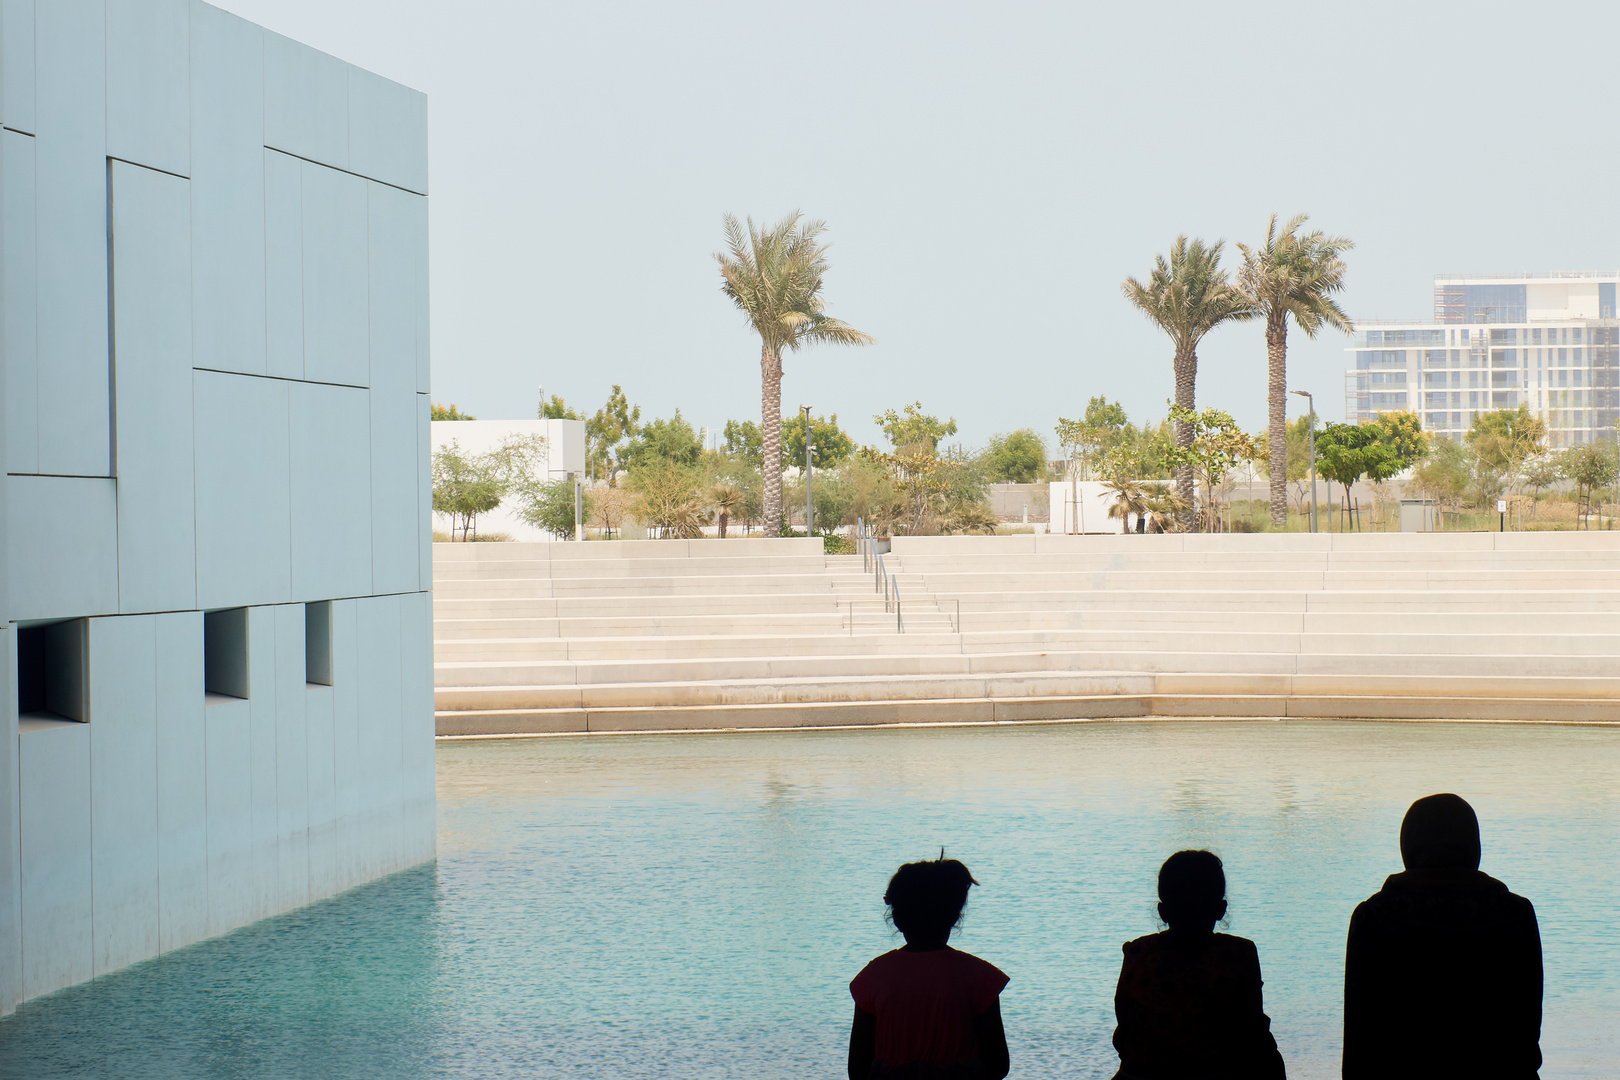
(695, 905)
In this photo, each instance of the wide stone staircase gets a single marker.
(646, 635)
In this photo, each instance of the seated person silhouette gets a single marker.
(927, 1011)
(1188, 1001)
(1442, 973)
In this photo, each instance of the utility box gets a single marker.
(1417, 515)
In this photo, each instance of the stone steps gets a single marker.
(1077, 626)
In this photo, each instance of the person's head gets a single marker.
(1192, 891)
(926, 898)
(1440, 832)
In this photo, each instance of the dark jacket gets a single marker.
(1442, 977)
(1191, 1007)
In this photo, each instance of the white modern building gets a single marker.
(1550, 342)
(563, 456)
(214, 606)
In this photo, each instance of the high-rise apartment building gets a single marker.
(1550, 342)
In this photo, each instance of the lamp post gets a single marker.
(809, 506)
(1306, 394)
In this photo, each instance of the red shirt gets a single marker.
(925, 1003)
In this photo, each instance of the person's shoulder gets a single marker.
(883, 960)
(977, 964)
(986, 980)
(878, 964)
(1233, 944)
(1144, 945)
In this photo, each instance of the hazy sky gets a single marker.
(989, 173)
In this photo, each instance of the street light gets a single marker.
(809, 506)
(1306, 394)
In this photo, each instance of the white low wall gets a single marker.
(565, 454)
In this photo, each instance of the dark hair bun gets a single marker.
(927, 898)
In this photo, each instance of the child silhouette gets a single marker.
(1188, 1002)
(928, 1011)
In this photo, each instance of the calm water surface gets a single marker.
(661, 906)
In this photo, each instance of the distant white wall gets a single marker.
(565, 455)
(215, 354)
(1089, 514)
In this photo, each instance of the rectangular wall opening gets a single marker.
(318, 643)
(53, 670)
(225, 652)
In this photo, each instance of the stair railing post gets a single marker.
(899, 626)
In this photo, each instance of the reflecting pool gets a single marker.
(694, 905)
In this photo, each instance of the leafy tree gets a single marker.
(832, 444)
(1218, 444)
(1090, 439)
(669, 497)
(1541, 471)
(1502, 441)
(872, 496)
(744, 442)
(557, 409)
(1018, 457)
(439, 412)
(1292, 274)
(1402, 431)
(608, 507)
(550, 506)
(466, 485)
(1347, 452)
(1446, 474)
(912, 426)
(607, 431)
(1590, 466)
(1140, 453)
(774, 276)
(670, 440)
(1187, 296)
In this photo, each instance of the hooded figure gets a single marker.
(1442, 974)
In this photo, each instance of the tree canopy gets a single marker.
(744, 442)
(672, 440)
(832, 443)
(557, 409)
(1018, 457)
(912, 426)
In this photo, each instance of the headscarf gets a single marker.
(1440, 832)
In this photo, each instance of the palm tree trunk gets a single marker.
(1186, 364)
(770, 428)
(1277, 391)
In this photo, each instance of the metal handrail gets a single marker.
(899, 624)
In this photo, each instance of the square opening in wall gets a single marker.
(53, 672)
(225, 652)
(318, 643)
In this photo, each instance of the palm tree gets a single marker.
(726, 498)
(1188, 295)
(1291, 274)
(773, 274)
(1129, 499)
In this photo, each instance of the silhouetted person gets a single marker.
(1189, 1001)
(1442, 974)
(928, 1011)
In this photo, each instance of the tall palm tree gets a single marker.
(1296, 274)
(1188, 295)
(773, 274)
